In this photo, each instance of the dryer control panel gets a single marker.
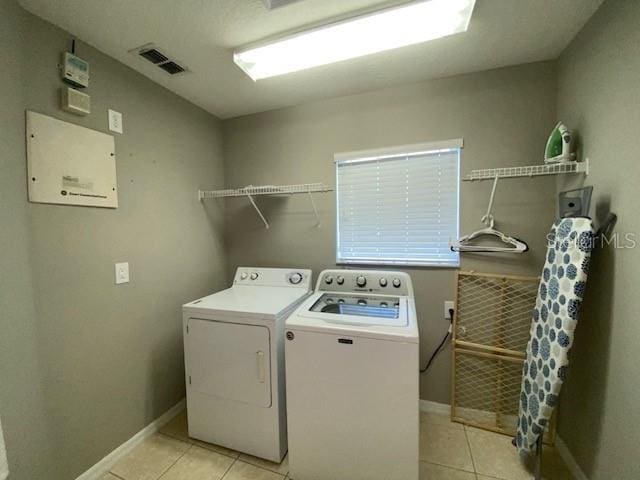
(273, 277)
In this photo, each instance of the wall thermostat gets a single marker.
(75, 70)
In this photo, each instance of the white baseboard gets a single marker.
(104, 465)
(569, 461)
(428, 406)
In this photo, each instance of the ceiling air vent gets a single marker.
(152, 54)
(171, 67)
(271, 4)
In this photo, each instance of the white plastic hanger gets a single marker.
(463, 244)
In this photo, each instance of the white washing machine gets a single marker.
(352, 364)
(234, 360)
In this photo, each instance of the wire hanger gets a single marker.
(463, 244)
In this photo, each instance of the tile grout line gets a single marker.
(193, 444)
(229, 468)
(473, 462)
(177, 460)
(283, 475)
(253, 464)
(449, 426)
(492, 475)
(174, 438)
(449, 467)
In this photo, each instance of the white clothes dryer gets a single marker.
(234, 360)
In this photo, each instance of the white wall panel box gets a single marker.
(70, 165)
(74, 101)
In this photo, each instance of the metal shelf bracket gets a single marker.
(264, 220)
(315, 210)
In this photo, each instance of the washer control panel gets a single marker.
(376, 281)
(273, 277)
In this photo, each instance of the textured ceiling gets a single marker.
(203, 33)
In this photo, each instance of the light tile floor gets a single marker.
(448, 451)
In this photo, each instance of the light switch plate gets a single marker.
(115, 121)
(448, 305)
(122, 273)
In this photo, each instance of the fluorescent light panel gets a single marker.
(387, 29)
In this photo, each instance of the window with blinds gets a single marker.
(399, 206)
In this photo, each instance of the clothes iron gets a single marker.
(560, 145)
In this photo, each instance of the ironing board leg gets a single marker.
(538, 459)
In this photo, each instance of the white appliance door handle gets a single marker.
(261, 372)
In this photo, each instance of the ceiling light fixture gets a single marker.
(407, 24)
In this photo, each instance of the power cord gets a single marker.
(442, 343)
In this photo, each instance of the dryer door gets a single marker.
(229, 360)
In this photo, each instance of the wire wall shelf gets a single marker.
(528, 171)
(266, 190)
(251, 191)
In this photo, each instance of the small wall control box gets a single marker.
(75, 101)
(75, 71)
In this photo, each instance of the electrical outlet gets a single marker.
(122, 273)
(448, 305)
(115, 121)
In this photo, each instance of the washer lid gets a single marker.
(247, 300)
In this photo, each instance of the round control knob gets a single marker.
(383, 282)
(362, 302)
(340, 280)
(295, 278)
(361, 281)
(243, 276)
(254, 276)
(397, 282)
(328, 279)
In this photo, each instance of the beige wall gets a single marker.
(85, 364)
(504, 117)
(599, 97)
(22, 396)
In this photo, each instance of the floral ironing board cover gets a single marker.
(554, 321)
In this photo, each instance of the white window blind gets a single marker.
(399, 208)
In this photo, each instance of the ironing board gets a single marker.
(554, 321)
